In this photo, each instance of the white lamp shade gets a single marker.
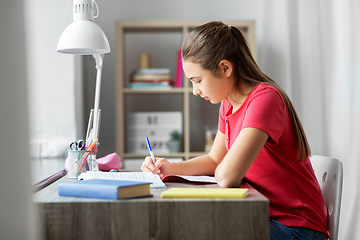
(83, 38)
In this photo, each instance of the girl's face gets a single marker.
(211, 88)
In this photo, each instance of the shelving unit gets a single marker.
(162, 39)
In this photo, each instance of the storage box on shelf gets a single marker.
(162, 40)
(157, 126)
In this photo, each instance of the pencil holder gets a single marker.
(78, 162)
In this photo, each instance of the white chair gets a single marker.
(329, 173)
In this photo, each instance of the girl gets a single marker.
(260, 139)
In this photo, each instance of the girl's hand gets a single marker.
(148, 165)
(164, 165)
(161, 167)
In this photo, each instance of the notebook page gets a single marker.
(130, 176)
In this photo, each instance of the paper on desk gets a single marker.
(181, 178)
(129, 176)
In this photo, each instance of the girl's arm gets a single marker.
(229, 167)
(232, 169)
(202, 165)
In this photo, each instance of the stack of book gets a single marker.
(151, 78)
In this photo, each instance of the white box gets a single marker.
(157, 126)
(155, 119)
(158, 145)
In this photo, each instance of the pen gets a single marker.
(150, 150)
(83, 159)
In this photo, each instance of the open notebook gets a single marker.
(145, 177)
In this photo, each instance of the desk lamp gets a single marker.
(84, 37)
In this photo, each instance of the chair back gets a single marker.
(329, 173)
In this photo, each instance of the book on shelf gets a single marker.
(105, 188)
(179, 71)
(150, 86)
(162, 81)
(153, 71)
(205, 193)
(151, 78)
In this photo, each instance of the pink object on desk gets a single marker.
(107, 163)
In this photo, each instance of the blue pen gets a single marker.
(150, 150)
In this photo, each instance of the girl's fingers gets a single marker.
(148, 166)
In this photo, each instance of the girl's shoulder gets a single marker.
(261, 92)
(261, 87)
(264, 89)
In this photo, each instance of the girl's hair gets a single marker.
(213, 42)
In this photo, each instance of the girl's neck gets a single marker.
(239, 95)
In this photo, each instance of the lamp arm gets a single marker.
(99, 59)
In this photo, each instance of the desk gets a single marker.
(153, 217)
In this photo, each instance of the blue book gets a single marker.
(101, 188)
(153, 71)
(153, 86)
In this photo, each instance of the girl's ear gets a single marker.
(226, 68)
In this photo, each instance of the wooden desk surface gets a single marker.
(153, 217)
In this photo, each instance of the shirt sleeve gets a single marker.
(221, 121)
(266, 110)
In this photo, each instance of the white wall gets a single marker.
(16, 216)
(52, 85)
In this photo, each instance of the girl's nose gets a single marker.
(196, 91)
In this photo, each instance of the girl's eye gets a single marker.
(194, 81)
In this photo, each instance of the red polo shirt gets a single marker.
(289, 184)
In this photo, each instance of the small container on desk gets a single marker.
(78, 162)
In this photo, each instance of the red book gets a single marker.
(179, 71)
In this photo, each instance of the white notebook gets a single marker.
(130, 176)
